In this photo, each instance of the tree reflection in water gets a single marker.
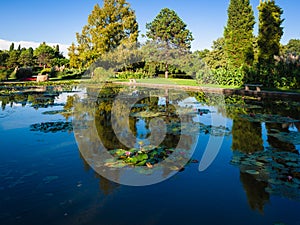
(272, 169)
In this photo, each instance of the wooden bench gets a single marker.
(132, 81)
(257, 86)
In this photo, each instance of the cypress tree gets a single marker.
(238, 33)
(270, 33)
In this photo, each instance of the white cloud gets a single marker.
(4, 45)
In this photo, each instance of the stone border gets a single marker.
(225, 91)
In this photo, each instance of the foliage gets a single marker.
(221, 76)
(108, 27)
(168, 28)
(159, 57)
(4, 55)
(12, 61)
(169, 32)
(269, 35)
(44, 54)
(238, 33)
(292, 47)
(23, 73)
(132, 75)
(5, 73)
(59, 62)
(287, 71)
(46, 71)
(216, 57)
(26, 57)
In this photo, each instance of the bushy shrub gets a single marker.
(5, 73)
(23, 73)
(221, 76)
(132, 75)
(50, 71)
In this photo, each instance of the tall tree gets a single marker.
(238, 33)
(217, 58)
(169, 31)
(13, 60)
(12, 47)
(108, 27)
(44, 54)
(269, 34)
(168, 28)
(26, 57)
(4, 55)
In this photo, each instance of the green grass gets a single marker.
(174, 81)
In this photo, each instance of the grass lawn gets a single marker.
(174, 81)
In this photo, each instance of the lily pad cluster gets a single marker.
(145, 156)
(52, 127)
(61, 112)
(268, 118)
(177, 129)
(280, 170)
(145, 160)
(289, 137)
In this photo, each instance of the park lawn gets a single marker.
(174, 81)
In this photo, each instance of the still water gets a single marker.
(47, 176)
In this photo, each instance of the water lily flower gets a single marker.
(127, 153)
(290, 178)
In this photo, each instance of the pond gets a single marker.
(128, 155)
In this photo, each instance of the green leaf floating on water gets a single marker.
(141, 157)
(253, 172)
(142, 163)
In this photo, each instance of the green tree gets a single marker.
(292, 47)
(13, 60)
(57, 53)
(74, 57)
(170, 32)
(269, 34)
(44, 54)
(216, 58)
(169, 29)
(108, 27)
(26, 57)
(12, 47)
(238, 33)
(202, 53)
(3, 58)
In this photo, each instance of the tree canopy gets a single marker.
(44, 54)
(292, 47)
(168, 28)
(108, 27)
(270, 32)
(238, 33)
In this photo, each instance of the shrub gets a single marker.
(221, 76)
(5, 73)
(23, 73)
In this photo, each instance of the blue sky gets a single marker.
(56, 21)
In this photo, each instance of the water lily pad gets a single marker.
(292, 184)
(253, 172)
(291, 164)
(52, 127)
(274, 181)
